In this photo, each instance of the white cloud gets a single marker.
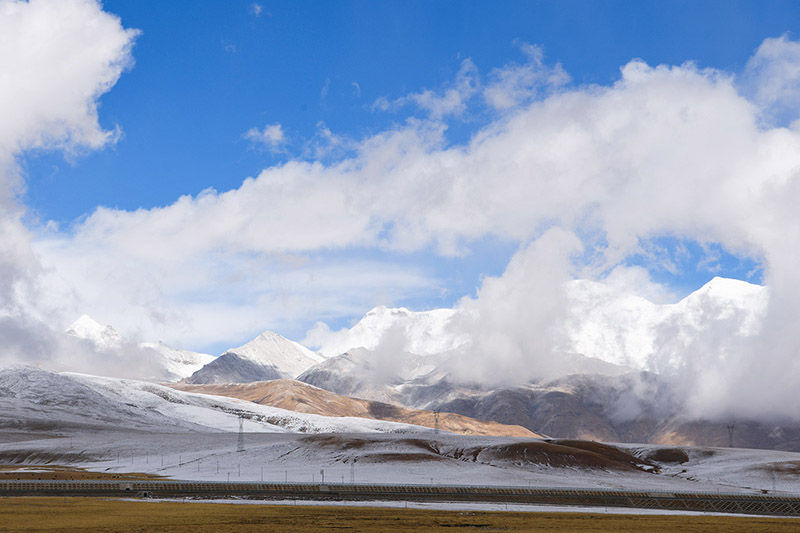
(516, 84)
(323, 93)
(513, 321)
(451, 102)
(256, 9)
(270, 137)
(56, 59)
(636, 280)
(772, 79)
(228, 47)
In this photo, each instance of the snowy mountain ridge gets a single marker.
(625, 329)
(268, 356)
(173, 362)
(601, 322)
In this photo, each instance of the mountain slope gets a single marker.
(233, 368)
(33, 399)
(296, 396)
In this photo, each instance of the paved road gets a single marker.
(767, 504)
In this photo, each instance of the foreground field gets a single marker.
(57, 472)
(89, 515)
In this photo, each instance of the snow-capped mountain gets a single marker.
(268, 356)
(164, 362)
(601, 322)
(621, 328)
(103, 337)
(272, 349)
(180, 363)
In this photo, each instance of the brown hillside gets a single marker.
(296, 396)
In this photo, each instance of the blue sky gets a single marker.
(206, 73)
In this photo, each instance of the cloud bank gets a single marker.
(56, 59)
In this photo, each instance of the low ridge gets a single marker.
(301, 397)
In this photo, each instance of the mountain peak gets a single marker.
(85, 323)
(383, 311)
(728, 287)
(270, 348)
(89, 329)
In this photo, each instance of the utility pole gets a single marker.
(240, 442)
(436, 421)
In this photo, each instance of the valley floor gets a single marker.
(401, 459)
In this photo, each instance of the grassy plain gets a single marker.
(51, 472)
(95, 515)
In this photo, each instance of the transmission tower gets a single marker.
(240, 442)
(730, 435)
(436, 421)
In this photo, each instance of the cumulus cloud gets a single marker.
(270, 137)
(56, 58)
(514, 320)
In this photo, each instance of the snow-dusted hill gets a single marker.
(113, 426)
(164, 362)
(34, 399)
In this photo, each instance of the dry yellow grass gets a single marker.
(57, 472)
(95, 515)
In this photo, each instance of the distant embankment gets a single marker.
(756, 504)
